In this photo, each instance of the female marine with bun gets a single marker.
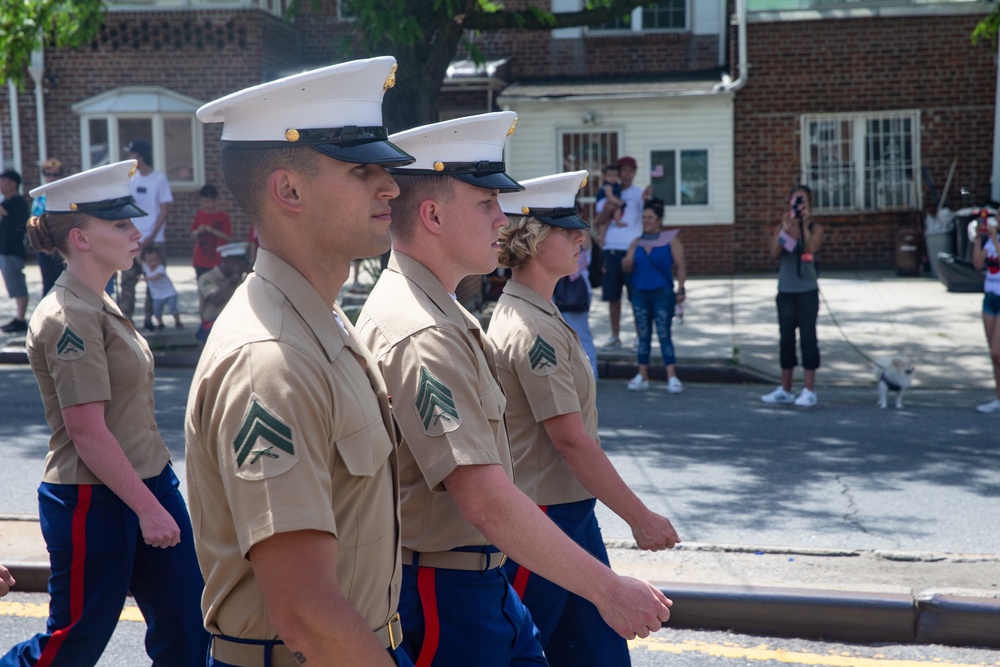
(552, 417)
(111, 512)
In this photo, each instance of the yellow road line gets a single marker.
(129, 613)
(763, 653)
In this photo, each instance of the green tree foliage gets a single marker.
(26, 24)
(986, 30)
(425, 35)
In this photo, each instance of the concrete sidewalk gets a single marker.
(730, 334)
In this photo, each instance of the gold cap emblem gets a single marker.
(390, 80)
(73, 206)
(512, 126)
(525, 210)
(584, 184)
(135, 168)
(439, 166)
(292, 135)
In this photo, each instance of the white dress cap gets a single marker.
(549, 199)
(336, 110)
(102, 192)
(470, 149)
(238, 249)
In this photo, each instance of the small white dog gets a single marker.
(893, 374)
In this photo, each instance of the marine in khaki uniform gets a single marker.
(552, 416)
(291, 455)
(112, 515)
(458, 501)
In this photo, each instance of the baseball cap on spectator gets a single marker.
(12, 175)
(627, 161)
(142, 149)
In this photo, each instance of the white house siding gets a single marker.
(703, 121)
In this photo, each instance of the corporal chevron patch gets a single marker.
(70, 346)
(265, 445)
(543, 357)
(435, 405)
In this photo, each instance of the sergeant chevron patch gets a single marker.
(265, 444)
(543, 357)
(436, 405)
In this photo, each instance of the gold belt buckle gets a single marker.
(503, 559)
(395, 636)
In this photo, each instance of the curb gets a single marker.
(834, 615)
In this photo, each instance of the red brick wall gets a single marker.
(845, 65)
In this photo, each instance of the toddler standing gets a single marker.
(160, 287)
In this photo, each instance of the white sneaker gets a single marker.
(638, 383)
(806, 399)
(614, 343)
(674, 386)
(779, 395)
(989, 408)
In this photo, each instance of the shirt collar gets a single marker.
(531, 296)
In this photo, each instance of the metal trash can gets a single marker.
(909, 253)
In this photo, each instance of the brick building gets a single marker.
(867, 102)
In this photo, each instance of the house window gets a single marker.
(650, 16)
(863, 161)
(590, 151)
(165, 119)
(680, 177)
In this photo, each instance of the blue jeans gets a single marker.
(649, 306)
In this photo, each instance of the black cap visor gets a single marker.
(556, 218)
(109, 209)
(495, 181)
(383, 152)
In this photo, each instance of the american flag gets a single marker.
(663, 239)
(788, 242)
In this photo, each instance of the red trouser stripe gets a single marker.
(432, 623)
(76, 575)
(520, 582)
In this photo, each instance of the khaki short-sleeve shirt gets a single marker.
(83, 350)
(286, 431)
(446, 399)
(545, 373)
(208, 284)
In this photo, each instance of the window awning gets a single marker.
(137, 99)
(607, 90)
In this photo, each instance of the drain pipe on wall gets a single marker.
(727, 85)
(37, 70)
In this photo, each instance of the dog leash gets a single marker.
(843, 334)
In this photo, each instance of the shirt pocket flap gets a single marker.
(365, 451)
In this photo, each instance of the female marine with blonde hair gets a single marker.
(552, 417)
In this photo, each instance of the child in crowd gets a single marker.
(210, 229)
(611, 189)
(160, 288)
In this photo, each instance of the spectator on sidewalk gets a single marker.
(617, 238)
(611, 190)
(210, 229)
(161, 288)
(653, 259)
(794, 244)
(112, 515)
(552, 417)
(13, 222)
(49, 265)
(152, 194)
(216, 286)
(573, 297)
(986, 255)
